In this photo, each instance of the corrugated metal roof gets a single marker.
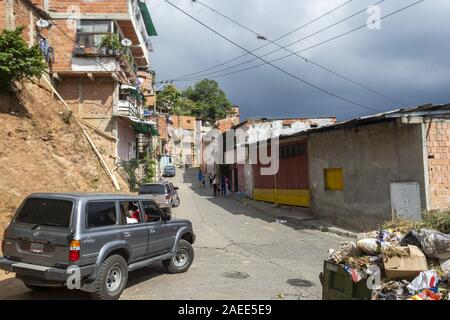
(427, 110)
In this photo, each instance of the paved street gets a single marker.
(240, 254)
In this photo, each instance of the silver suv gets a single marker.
(164, 193)
(99, 238)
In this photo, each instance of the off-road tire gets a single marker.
(173, 265)
(176, 203)
(109, 266)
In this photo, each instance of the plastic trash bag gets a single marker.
(369, 246)
(425, 280)
(445, 266)
(434, 244)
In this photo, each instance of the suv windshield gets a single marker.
(46, 212)
(152, 189)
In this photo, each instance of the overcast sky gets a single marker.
(408, 59)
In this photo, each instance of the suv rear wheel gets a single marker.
(182, 260)
(176, 203)
(111, 279)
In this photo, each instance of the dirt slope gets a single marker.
(39, 151)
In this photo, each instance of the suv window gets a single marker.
(151, 211)
(152, 189)
(130, 212)
(50, 212)
(101, 214)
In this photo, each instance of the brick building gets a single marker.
(101, 51)
(23, 13)
(364, 171)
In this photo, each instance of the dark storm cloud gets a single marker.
(408, 59)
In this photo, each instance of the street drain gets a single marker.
(236, 275)
(300, 283)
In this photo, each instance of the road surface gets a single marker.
(240, 253)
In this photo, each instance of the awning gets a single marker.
(135, 92)
(149, 26)
(145, 127)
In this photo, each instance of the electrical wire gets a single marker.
(267, 44)
(307, 60)
(274, 66)
(292, 43)
(305, 49)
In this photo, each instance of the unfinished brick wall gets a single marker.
(21, 13)
(88, 98)
(61, 39)
(184, 122)
(91, 6)
(438, 140)
(2, 15)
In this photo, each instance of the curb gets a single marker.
(316, 225)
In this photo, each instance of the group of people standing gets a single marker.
(220, 186)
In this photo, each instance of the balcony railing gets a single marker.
(128, 109)
(89, 44)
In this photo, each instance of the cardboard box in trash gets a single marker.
(406, 267)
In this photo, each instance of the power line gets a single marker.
(292, 43)
(307, 60)
(274, 66)
(267, 44)
(305, 49)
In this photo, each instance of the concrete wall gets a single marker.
(438, 146)
(371, 156)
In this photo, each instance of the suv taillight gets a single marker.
(74, 251)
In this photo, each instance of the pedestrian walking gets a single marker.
(214, 184)
(210, 179)
(227, 184)
(222, 185)
(200, 178)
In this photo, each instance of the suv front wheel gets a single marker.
(182, 260)
(111, 279)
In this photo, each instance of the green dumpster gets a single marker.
(337, 284)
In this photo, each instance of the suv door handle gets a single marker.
(126, 234)
(152, 231)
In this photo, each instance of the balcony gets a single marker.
(128, 109)
(90, 45)
(130, 102)
(108, 52)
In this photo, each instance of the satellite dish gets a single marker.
(41, 23)
(126, 42)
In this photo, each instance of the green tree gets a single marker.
(169, 97)
(205, 100)
(18, 62)
(210, 102)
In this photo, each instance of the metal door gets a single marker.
(405, 200)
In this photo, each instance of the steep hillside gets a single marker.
(40, 150)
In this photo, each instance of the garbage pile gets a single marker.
(398, 265)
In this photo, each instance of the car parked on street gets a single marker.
(163, 192)
(102, 236)
(169, 171)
